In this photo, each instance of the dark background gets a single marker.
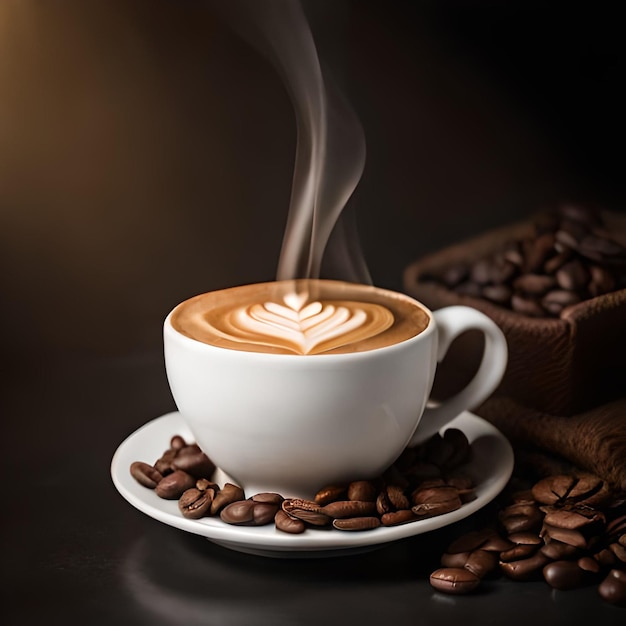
(146, 155)
(146, 151)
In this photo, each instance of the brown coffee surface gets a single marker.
(303, 316)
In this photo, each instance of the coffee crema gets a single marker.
(305, 316)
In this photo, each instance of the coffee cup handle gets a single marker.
(451, 322)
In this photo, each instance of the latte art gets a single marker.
(303, 317)
(316, 327)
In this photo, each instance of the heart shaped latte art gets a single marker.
(306, 328)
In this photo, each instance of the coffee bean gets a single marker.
(356, 523)
(362, 490)
(454, 580)
(619, 551)
(228, 494)
(526, 306)
(566, 535)
(606, 557)
(164, 462)
(432, 509)
(307, 511)
(558, 299)
(572, 517)
(177, 442)
(172, 486)
(145, 474)
(240, 513)
(458, 559)
(524, 569)
(264, 512)
(556, 550)
(518, 552)
(588, 564)
(568, 261)
(553, 489)
(534, 284)
(613, 588)
(330, 493)
(349, 508)
(481, 562)
(395, 518)
(288, 524)
(572, 276)
(496, 543)
(193, 461)
(563, 574)
(195, 503)
(268, 498)
(396, 497)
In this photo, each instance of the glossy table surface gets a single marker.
(146, 155)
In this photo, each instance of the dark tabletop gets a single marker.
(146, 155)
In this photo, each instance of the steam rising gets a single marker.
(330, 153)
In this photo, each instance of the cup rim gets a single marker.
(168, 328)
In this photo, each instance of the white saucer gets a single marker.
(491, 468)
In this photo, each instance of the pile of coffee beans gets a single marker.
(568, 530)
(569, 258)
(424, 482)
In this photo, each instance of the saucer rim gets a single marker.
(266, 540)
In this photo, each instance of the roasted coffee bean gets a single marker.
(348, 508)
(264, 512)
(288, 524)
(432, 509)
(356, 523)
(518, 552)
(429, 495)
(619, 551)
(193, 461)
(458, 559)
(520, 517)
(307, 511)
(177, 442)
(526, 539)
(553, 489)
(240, 513)
(496, 543)
(164, 462)
(556, 550)
(588, 564)
(362, 490)
(613, 588)
(172, 486)
(567, 261)
(572, 276)
(396, 497)
(455, 274)
(573, 537)
(454, 580)
(606, 557)
(572, 517)
(382, 503)
(330, 493)
(534, 284)
(537, 252)
(617, 525)
(563, 574)
(395, 518)
(524, 569)
(195, 503)
(481, 562)
(204, 483)
(228, 494)
(145, 474)
(558, 299)
(526, 306)
(268, 498)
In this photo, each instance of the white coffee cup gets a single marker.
(293, 424)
